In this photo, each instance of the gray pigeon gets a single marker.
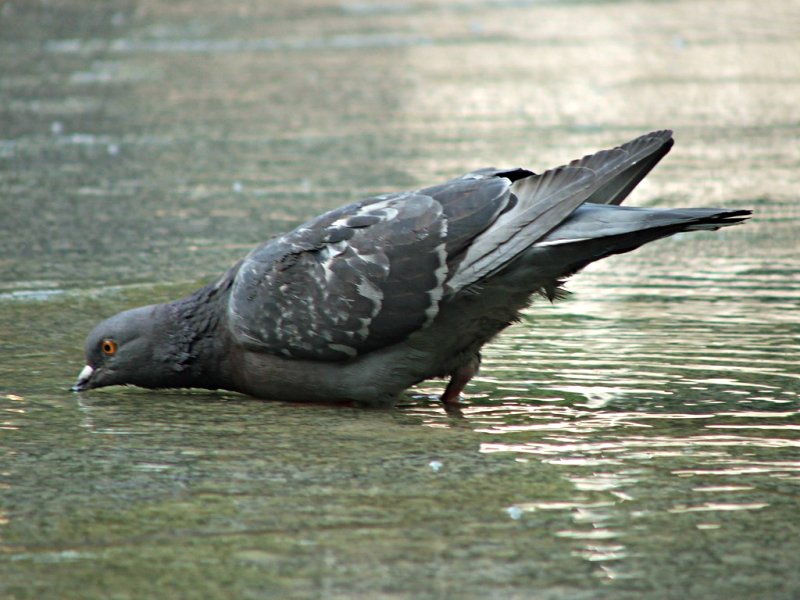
(374, 297)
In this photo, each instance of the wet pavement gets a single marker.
(640, 439)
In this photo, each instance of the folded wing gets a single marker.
(369, 274)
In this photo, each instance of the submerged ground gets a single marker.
(638, 440)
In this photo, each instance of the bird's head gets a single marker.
(120, 351)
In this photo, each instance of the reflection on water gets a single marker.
(638, 440)
(653, 393)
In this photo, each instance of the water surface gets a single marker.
(637, 440)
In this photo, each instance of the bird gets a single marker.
(367, 300)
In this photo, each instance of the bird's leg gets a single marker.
(459, 379)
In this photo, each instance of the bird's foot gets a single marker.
(459, 380)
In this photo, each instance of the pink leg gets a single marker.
(459, 379)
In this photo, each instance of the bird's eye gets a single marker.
(109, 347)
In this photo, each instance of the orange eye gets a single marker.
(109, 347)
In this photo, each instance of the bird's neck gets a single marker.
(195, 336)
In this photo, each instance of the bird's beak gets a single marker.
(84, 380)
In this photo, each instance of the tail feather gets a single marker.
(594, 232)
(723, 219)
(593, 221)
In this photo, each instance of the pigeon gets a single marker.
(365, 301)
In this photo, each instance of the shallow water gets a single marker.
(637, 440)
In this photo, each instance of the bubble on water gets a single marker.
(515, 512)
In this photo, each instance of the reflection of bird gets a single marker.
(367, 300)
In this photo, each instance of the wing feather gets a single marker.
(356, 279)
(544, 201)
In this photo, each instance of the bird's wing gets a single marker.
(361, 277)
(626, 165)
(542, 202)
(369, 274)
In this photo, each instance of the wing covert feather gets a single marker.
(355, 279)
